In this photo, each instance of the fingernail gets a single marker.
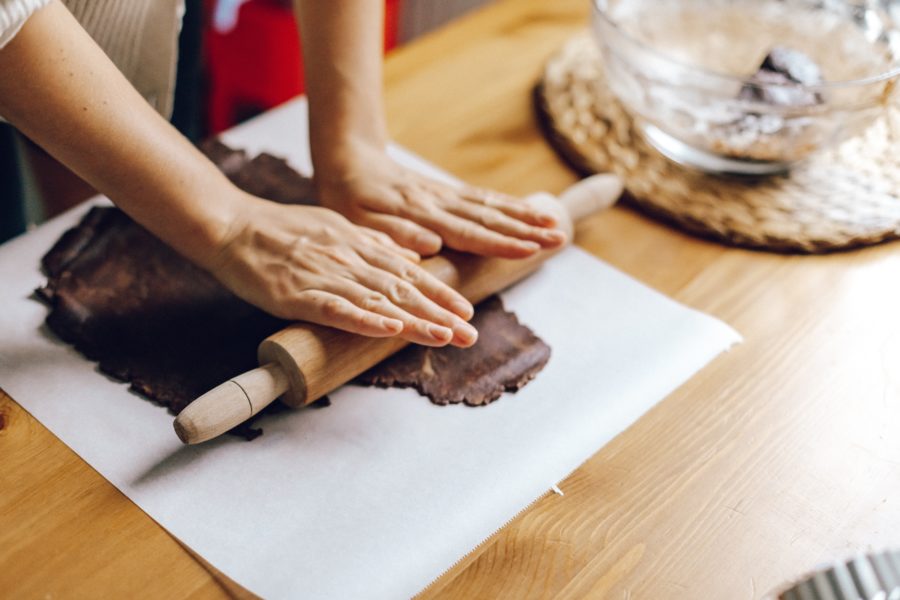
(556, 236)
(547, 219)
(463, 309)
(441, 334)
(531, 246)
(466, 333)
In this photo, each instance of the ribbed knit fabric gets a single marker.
(140, 36)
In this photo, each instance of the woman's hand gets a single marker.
(342, 48)
(312, 264)
(420, 213)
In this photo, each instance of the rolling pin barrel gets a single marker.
(305, 361)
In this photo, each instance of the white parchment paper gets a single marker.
(377, 495)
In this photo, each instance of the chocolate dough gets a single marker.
(146, 315)
(781, 77)
(149, 317)
(506, 356)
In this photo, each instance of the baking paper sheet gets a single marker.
(377, 495)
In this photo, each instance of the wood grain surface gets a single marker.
(778, 456)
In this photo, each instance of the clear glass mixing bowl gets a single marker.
(685, 69)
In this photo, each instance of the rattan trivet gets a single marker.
(844, 198)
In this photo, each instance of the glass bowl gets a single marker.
(688, 71)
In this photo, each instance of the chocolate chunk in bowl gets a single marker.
(782, 79)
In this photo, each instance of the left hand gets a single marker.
(310, 263)
(422, 214)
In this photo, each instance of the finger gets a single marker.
(415, 329)
(469, 236)
(430, 285)
(517, 209)
(332, 310)
(457, 232)
(495, 220)
(403, 231)
(383, 239)
(408, 297)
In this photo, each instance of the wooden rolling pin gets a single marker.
(304, 362)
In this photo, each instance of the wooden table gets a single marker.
(780, 455)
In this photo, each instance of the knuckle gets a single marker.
(517, 207)
(400, 291)
(301, 305)
(304, 298)
(404, 229)
(468, 232)
(534, 232)
(393, 207)
(359, 319)
(408, 197)
(332, 308)
(383, 239)
(373, 301)
(328, 232)
(432, 211)
(478, 196)
(293, 285)
(410, 273)
(492, 219)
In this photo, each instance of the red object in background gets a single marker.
(258, 65)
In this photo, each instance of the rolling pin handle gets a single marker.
(230, 404)
(591, 195)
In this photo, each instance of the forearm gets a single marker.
(61, 90)
(342, 48)
(296, 262)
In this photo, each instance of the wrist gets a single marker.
(215, 226)
(337, 153)
(345, 161)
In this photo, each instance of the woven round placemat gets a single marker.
(843, 198)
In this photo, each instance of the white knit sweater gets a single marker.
(140, 36)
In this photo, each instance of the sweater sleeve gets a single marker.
(13, 14)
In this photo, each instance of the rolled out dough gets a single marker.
(506, 357)
(151, 318)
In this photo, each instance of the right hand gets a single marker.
(420, 213)
(310, 263)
